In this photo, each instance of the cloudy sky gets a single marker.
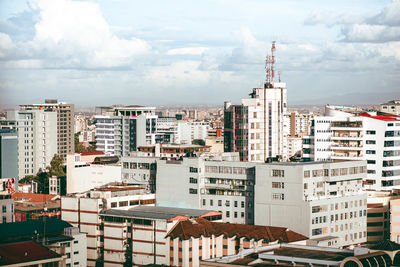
(197, 52)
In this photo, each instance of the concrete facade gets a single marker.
(8, 154)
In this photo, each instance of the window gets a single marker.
(204, 202)
(235, 204)
(306, 174)
(113, 204)
(371, 161)
(278, 173)
(278, 185)
(211, 202)
(277, 196)
(219, 203)
(4, 208)
(371, 152)
(371, 132)
(193, 180)
(193, 170)
(227, 214)
(370, 142)
(242, 204)
(123, 203)
(192, 191)
(317, 231)
(76, 252)
(235, 214)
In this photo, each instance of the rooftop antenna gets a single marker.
(270, 66)
(279, 76)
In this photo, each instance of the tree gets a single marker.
(56, 166)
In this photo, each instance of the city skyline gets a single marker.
(106, 52)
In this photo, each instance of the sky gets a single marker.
(186, 52)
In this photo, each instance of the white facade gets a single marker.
(225, 186)
(6, 209)
(350, 134)
(37, 139)
(392, 107)
(82, 210)
(125, 130)
(314, 199)
(75, 249)
(266, 128)
(183, 132)
(295, 145)
(82, 176)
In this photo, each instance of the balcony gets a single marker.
(347, 136)
(346, 146)
(347, 155)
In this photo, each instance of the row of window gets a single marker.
(227, 203)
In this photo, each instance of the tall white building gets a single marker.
(182, 132)
(257, 128)
(347, 133)
(315, 199)
(124, 129)
(37, 139)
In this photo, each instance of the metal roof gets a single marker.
(155, 212)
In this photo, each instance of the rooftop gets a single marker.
(91, 153)
(200, 227)
(156, 212)
(117, 188)
(381, 117)
(20, 252)
(28, 206)
(31, 197)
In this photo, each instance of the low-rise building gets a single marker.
(30, 206)
(139, 234)
(7, 208)
(83, 210)
(198, 239)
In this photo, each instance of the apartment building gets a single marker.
(348, 133)
(300, 123)
(193, 240)
(395, 220)
(139, 233)
(65, 123)
(392, 107)
(315, 199)
(83, 211)
(124, 129)
(37, 139)
(208, 183)
(257, 128)
(182, 131)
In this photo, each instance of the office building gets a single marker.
(8, 153)
(37, 139)
(348, 133)
(315, 199)
(65, 123)
(256, 128)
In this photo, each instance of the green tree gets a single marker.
(56, 167)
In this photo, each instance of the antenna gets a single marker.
(279, 76)
(270, 66)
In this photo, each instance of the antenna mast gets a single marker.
(270, 67)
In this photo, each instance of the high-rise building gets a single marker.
(257, 128)
(37, 139)
(8, 153)
(349, 133)
(124, 129)
(65, 123)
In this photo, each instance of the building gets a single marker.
(57, 236)
(257, 128)
(65, 123)
(139, 234)
(29, 253)
(37, 139)
(83, 211)
(182, 131)
(300, 123)
(348, 133)
(7, 208)
(30, 206)
(95, 175)
(295, 146)
(395, 220)
(8, 153)
(198, 239)
(392, 107)
(315, 199)
(124, 129)
(208, 183)
(300, 255)
(216, 144)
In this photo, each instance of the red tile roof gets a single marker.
(14, 253)
(31, 197)
(201, 227)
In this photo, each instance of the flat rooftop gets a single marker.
(117, 188)
(156, 212)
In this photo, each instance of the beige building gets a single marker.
(65, 123)
(191, 241)
(395, 220)
(392, 107)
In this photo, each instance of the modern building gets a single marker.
(124, 129)
(8, 153)
(7, 208)
(315, 199)
(208, 183)
(300, 123)
(294, 146)
(139, 234)
(392, 107)
(37, 139)
(83, 211)
(395, 220)
(65, 123)
(256, 128)
(95, 175)
(198, 239)
(349, 133)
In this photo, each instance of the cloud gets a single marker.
(390, 15)
(367, 33)
(74, 34)
(187, 51)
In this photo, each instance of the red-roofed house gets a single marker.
(198, 239)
